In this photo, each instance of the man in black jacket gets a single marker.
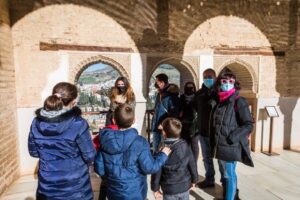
(179, 173)
(203, 106)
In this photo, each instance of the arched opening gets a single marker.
(179, 72)
(171, 72)
(250, 56)
(94, 83)
(245, 75)
(37, 71)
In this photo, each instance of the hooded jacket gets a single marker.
(64, 147)
(179, 172)
(125, 160)
(166, 105)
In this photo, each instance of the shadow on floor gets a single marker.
(215, 192)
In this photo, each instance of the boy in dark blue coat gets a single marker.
(179, 173)
(124, 158)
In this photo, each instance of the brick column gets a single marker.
(9, 159)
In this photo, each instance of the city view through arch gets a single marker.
(94, 86)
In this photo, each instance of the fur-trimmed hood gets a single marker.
(173, 89)
(58, 124)
(74, 112)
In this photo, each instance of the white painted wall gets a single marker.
(206, 60)
(59, 75)
(263, 125)
(25, 117)
(137, 76)
(285, 126)
(295, 121)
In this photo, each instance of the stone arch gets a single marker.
(225, 31)
(83, 65)
(36, 27)
(185, 69)
(244, 72)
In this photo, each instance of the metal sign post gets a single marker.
(272, 113)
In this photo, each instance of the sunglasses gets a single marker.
(224, 81)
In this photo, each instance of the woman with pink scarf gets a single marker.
(231, 124)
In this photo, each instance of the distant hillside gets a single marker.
(98, 76)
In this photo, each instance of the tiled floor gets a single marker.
(273, 178)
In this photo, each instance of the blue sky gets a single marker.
(95, 67)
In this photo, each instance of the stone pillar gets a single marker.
(9, 156)
(137, 80)
(206, 60)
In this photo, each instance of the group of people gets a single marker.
(215, 115)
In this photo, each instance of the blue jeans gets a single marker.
(157, 138)
(208, 162)
(180, 196)
(231, 179)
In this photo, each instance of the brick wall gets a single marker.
(63, 26)
(8, 140)
(166, 26)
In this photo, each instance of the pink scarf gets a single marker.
(225, 95)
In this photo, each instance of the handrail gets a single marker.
(149, 115)
(95, 112)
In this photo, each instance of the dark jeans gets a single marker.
(208, 162)
(180, 196)
(195, 146)
(157, 138)
(192, 140)
(103, 189)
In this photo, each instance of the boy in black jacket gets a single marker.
(179, 173)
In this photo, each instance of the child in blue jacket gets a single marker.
(61, 139)
(124, 158)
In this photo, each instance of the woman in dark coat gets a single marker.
(232, 125)
(186, 115)
(60, 138)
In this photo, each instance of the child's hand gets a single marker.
(193, 186)
(158, 195)
(166, 150)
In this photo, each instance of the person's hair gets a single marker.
(189, 83)
(129, 94)
(210, 70)
(63, 94)
(172, 127)
(124, 116)
(162, 77)
(224, 74)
